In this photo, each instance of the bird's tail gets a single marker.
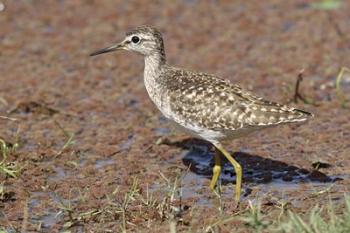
(300, 115)
(274, 114)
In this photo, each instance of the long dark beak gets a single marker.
(108, 49)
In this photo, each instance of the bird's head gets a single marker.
(144, 40)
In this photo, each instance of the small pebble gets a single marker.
(2, 6)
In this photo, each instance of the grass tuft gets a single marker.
(339, 91)
(254, 218)
(327, 5)
(319, 220)
(8, 168)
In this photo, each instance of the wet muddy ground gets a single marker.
(94, 153)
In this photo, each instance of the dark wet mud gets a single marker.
(95, 155)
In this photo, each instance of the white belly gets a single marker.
(213, 136)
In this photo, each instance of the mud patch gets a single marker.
(108, 132)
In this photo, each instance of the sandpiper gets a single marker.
(203, 104)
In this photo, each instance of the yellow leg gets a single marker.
(237, 167)
(216, 170)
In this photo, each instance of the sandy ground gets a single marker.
(56, 92)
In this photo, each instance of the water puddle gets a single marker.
(49, 220)
(99, 164)
(125, 146)
(261, 174)
(161, 131)
(47, 217)
(59, 175)
(256, 169)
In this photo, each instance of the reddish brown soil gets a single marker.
(52, 87)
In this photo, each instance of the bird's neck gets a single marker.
(152, 72)
(153, 64)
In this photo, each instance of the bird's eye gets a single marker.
(135, 39)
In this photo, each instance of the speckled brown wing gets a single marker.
(213, 103)
(260, 112)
